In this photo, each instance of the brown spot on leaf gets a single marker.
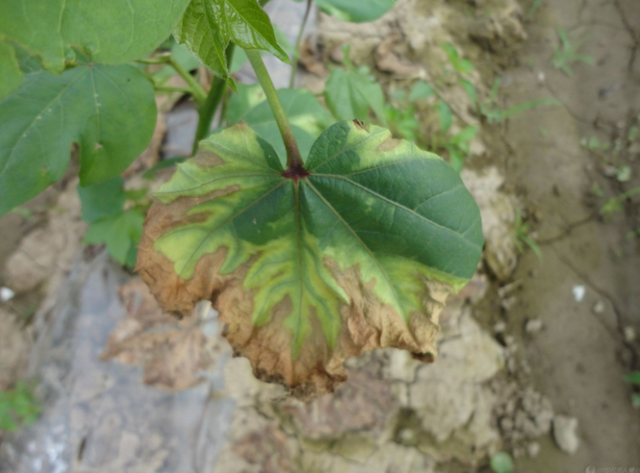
(389, 144)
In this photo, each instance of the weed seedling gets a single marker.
(18, 407)
(567, 54)
(521, 236)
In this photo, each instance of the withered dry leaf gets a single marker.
(171, 352)
(310, 267)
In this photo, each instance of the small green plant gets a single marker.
(494, 114)
(634, 379)
(521, 236)
(501, 462)
(18, 407)
(616, 204)
(567, 54)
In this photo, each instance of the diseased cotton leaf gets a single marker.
(111, 32)
(310, 267)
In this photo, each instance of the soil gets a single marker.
(530, 339)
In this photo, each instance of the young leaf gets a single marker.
(307, 117)
(356, 11)
(112, 32)
(207, 26)
(350, 95)
(121, 234)
(108, 110)
(309, 268)
(200, 31)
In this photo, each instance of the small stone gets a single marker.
(565, 433)
(598, 307)
(541, 77)
(508, 302)
(500, 327)
(533, 449)
(533, 326)
(6, 294)
(630, 334)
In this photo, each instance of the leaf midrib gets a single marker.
(357, 238)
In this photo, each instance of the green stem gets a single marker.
(294, 158)
(198, 92)
(170, 90)
(211, 103)
(296, 57)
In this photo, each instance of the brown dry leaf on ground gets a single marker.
(171, 352)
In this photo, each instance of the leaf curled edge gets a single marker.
(342, 298)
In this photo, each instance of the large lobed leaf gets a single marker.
(208, 26)
(112, 32)
(310, 268)
(109, 111)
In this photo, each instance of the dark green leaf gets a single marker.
(102, 200)
(109, 111)
(355, 10)
(112, 32)
(308, 268)
(633, 378)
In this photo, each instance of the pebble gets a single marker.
(533, 326)
(598, 307)
(533, 449)
(6, 294)
(500, 327)
(630, 334)
(565, 433)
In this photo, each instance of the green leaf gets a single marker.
(207, 26)
(470, 89)
(121, 234)
(444, 115)
(356, 11)
(309, 268)
(102, 200)
(109, 111)
(421, 90)
(18, 407)
(633, 378)
(350, 95)
(10, 73)
(112, 32)
(307, 117)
